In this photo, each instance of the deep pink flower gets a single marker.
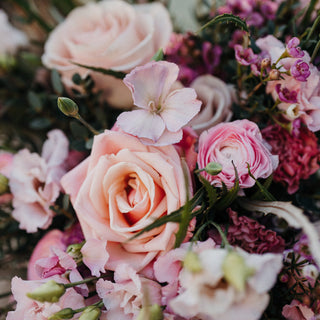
(162, 111)
(300, 70)
(285, 94)
(293, 49)
(245, 56)
(250, 235)
(298, 155)
(239, 143)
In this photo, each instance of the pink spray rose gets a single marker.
(121, 188)
(111, 35)
(239, 142)
(29, 309)
(35, 182)
(216, 97)
(162, 109)
(6, 159)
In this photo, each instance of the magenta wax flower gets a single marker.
(292, 48)
(285, 95)
(162, 111)
(300, 70)
(245, 56)
(298, 155)
(239, 143)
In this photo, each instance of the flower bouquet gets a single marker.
(152, 172)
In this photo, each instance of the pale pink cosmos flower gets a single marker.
(162, 111)
(29, 309)
(35, 182)
(124, 298)
(208, 295)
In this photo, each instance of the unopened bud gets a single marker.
(74, 250)
(50, 291)
(265, 63)
(236, 271)
(153, 312)
(68, 107)
(90, 313)
(66, 313)
(192, 262)
(4, 184)
(213, 168)
(274, 74)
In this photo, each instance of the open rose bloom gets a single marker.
(120, 189)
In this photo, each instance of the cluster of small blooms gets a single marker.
(298, 153)
(250, 235)
(193, 55)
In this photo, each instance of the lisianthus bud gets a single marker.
(235, 270)
(4, 184)
(274, 74)
(74, 250)
(213, 168)
(153, 312)
(90, 313)
(265, 63)
(50, 291)
(66, 313)
(192, 262)
(68, 107)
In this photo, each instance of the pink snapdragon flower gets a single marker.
(240, 143)
(162, 112)
(29, 309)
(124, 298)
(35, 182)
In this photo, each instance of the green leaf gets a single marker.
(210, 190)
(159, 55)
(226, 18)
(56, 82)
(267, 195)
(40, 123)
(34, 101)
(109, 72)
(266, 184)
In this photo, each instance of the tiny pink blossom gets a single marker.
(162, 112)
(300, 70)
(293, 49)
(285, 94)
(245, 56)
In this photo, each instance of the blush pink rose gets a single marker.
(239, 142)
(108, 34)
(6, 159)
(121, 188)
(35, 182)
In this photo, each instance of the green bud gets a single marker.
(50, 291)
(66, 313)
(4, 184)
(90, 313)
(74, 250)
(192, 262)
(68, 107)
(153, 312)
(213, 168)
(236, 272)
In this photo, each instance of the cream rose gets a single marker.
(121, 188)
(109, 34)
